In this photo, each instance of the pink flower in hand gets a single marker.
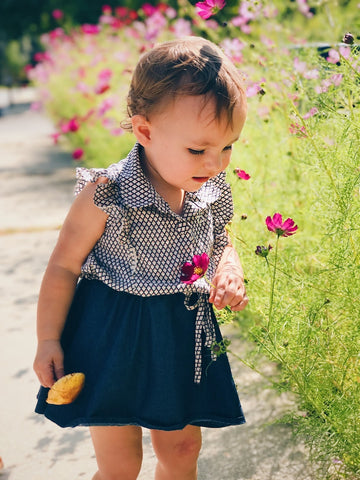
(282, 229)
(209, 7)
(190, 272)
(242, 174)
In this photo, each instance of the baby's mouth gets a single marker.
(201, 179)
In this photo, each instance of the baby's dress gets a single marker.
(143, 338)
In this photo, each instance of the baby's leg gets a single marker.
(177, 453)
(118, 452)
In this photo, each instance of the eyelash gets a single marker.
(200, 152)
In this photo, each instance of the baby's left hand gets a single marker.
(228, 284)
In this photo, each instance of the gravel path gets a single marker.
(37, 181)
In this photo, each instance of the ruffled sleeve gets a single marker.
(107, 196)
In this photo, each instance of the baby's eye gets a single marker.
(195, 152)
(229, 147)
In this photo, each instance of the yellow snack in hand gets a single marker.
(66, 389)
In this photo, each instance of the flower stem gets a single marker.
(272, 287)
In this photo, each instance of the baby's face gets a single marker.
(188, 145)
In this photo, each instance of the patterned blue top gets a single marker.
(145, 243)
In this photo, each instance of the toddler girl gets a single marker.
(136, 324)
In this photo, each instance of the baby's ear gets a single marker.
(141, 129)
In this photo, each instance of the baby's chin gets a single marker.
(200, 181)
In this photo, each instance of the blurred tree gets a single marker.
(23, 21)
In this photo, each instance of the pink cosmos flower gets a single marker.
(298, 130)
(312, 74)
(313, 111)
(190, 272)
(105, 74)
(73, 125)
(304, 8)
(282, 229)
(56, 33)
(232, 48)
(336, 79)
(108, 20)
(253, 90)
(28, 68)
(182, 28)
(101, 88)
(250, 9)
(106, 105)
(90, 29)
(106, 9)
(35, 107)
(57, 14)
(333, 56)
(148, 9)
(345, 52)
(121, 11)
(55, 136)
(78, 154)
(42, 57)
(242, 174)
(154, 25)
(209, 7)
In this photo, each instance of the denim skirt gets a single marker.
(137, 354)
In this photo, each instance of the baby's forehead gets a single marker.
(204, 107)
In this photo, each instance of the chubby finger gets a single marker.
(212, 294)
(59, 371)
(47, 378)
(241, 305)
(232, 296)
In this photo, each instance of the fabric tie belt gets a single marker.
(203, 323)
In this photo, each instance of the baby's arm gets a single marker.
(229, 287)
(82, 228)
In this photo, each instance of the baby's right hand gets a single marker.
(49, 362)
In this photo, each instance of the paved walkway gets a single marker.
(36, 190)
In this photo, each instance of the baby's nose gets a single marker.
(214, 164)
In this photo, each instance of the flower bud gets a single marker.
(263, 251)
(348, 38)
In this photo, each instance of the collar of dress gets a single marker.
(137, 191)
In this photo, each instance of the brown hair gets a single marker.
(186, 66)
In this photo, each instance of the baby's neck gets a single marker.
(174, 198)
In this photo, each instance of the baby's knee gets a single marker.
(180, 455)
(187, 450)
(126, 467)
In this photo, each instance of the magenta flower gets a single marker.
(313, 111)
(190, 272)
(333, 56)
(242, 174)
(73, 125)
(282, 229)
(106, 9)
(78, 154)
(90, 29)
(148, 9)
(298, 130)
(57, 14)
(209, 7)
